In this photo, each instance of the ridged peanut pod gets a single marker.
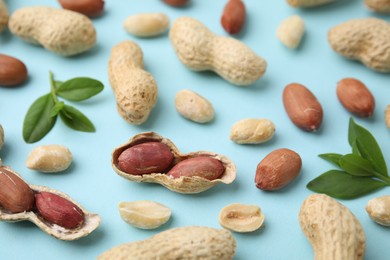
(3, 15)
(308, 3)
(135, 89)
(332, 230)
(366, 40)
(61, 31)
(380, 6)
(387, 116)
(199, 49)
(179, 243)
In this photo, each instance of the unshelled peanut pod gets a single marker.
(178, 243)
(3, 15)
(187, 173)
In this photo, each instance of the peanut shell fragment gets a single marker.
(379, 210)
(144, 214)
(252, 131)
(193, 106)
(49, 158)
(241, 218)
(179, 243)
(3, 15)
(387, 116)
(183, 184)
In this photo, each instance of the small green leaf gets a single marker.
(369, 148)
(38, 120)
(340, 185)
(78, 89)
(57, 108)
(356, 165)
(57, 84)
(331, 157)
(76, 120)
(351, 132)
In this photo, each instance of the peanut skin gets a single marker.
(202, 166)
(91, 8)
(135, 89)
(13, 72)
(233, 16)
(199, 49)
(176, 3)
(145, 158)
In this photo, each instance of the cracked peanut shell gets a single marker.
(91, 222)
(183, 184)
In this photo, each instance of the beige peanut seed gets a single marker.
(379, 210)
(252, 131)
(290, 31)
(144, 214)
(241, 218)
(49, 158)
(147, 24)
(193, 106)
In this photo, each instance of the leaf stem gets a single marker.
(52, 87)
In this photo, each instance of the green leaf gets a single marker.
(38, 120)
(340, 185)
(356, 165)
(331, 157)
(78, 89)
(369, 148)
(351, 132)
(57, 108)
(57, 84)
(76, 120)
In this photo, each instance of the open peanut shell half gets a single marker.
(183, 184)
(91, 221)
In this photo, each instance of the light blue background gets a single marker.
(91, 180)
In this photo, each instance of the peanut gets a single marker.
(241, 218)
(379, 210)
(135, 89)
(178, 243)
(308, 3)
(252, 131)
(176, 3)
(380, 6)
(12, 71)
(199, 49)
(193, 106)
(1, 137)
(233, 16)
(355, 97)
(332, 230)
(15, 195)
(387, 116)
(49, 158)
(91, 8)
(366, 40)
(147, 25)
(58, 210)
(278, 169)
(144, 214)
(302, 107)
(290, 31)
(3, 15)
(145, 158)
(61, 31)
(202, 166)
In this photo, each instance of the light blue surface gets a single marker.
(91, 180)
